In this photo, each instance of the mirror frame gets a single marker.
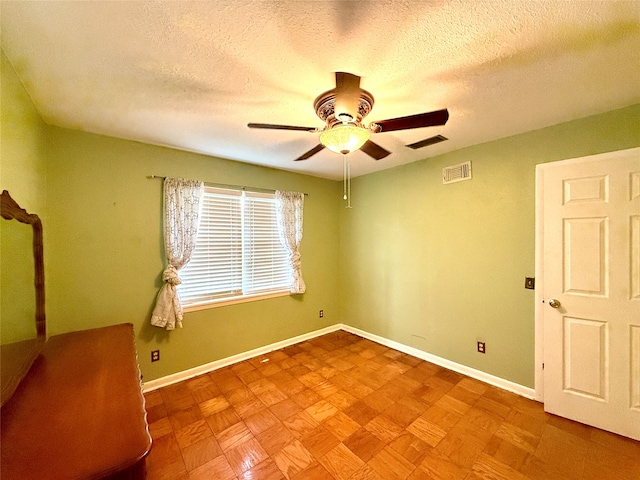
(14, 369)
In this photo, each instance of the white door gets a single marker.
(591, 289)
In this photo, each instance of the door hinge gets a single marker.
(543, 366)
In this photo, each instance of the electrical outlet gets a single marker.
(155, 355)
(481, 347)
(321, 313)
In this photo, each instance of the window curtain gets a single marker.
(289, 206)
(182, 204)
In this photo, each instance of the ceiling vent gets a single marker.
(456, 173)
(427, 142)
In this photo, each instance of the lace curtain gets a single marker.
(289, 206)
(182, 202)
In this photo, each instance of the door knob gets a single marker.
(553, 303)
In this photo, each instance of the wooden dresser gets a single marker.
(71, 405)
(79, 413)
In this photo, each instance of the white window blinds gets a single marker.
(265, 260)
(238, 252)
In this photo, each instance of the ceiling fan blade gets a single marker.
(430, 119)
(427, 141)
(310, 153)
(347, 96)
(374, 150)
(347, 81)
(280, 127)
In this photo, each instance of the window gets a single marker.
(238, 252)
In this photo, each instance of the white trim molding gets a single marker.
(225, 362)
(443, 362)
(539, 290)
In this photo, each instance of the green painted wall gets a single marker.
(105, 252)
(439, 267)
(22, 151)
(22, 173)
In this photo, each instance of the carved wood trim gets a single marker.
(18, 357)
(10, 210)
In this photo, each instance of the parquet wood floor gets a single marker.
(339, 407)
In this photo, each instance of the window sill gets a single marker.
(233, 301)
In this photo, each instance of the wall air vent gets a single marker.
(456, 173)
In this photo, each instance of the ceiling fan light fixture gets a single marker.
(344, 138)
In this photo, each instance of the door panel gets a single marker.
(585, 256)
(635, 367)
(635, 257)
(588, 189)
(586, 356)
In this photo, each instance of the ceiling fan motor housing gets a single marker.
(325, 106)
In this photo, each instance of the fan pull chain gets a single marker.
(344, 176)
(346, 182)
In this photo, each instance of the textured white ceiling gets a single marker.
(191, 75)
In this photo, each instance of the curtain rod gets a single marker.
(235, 187)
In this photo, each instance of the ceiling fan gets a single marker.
(343, 108)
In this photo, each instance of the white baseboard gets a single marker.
(224, 362)
(443, 362)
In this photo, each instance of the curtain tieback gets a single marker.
(170, 275)
(294, 258)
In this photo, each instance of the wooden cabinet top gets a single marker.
(79, 413)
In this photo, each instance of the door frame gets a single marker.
(539, 283)
(539, 261)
